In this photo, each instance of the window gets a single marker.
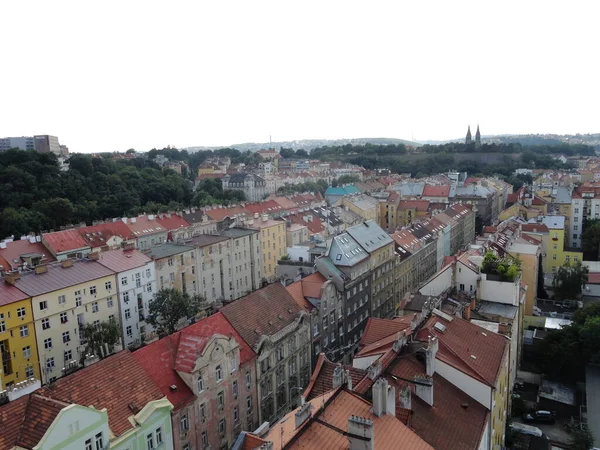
(203, 412)
(280, 353)
(149, 287)
(88, 444)
(66, 337)
(68, 355)
(219, 374)
(24, 330)
(96, 324)
(158, 436)
(95, 308)
(29, 372)
(222, 427)
(50, 363)
(236, 415)
(138, 280)
(128, 331)
(27, 352)
(315, 330)
(21, 311)
(148, 273)
(92, 290)
(248, 380)
(576, 227)
(62, 299)
(150, 441)
(99, 441)
(200, 383)
(2, 323)
(204, 439)
(554, 256)
(221, 400)
(45, 324)
(48, 343)
(183, 424)
(77, 298)
(127, 314)
(249, 404)
(108, 285)
(234, 388)
(123, 281)
(126, 297)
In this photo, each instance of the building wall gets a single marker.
(94, 308)
(153, 419)
(506, 292)
(499, 411)
(576, 222)
(148, 241)
(215, 273)
(136, 288)
(382, 281)
(237, 387)
(18, 365)
(179, 272)
(273, 248)
(89, 423)
(246, 266)
(439, 283)
(281, 379)
(474, 388)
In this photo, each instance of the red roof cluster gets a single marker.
(436, 191)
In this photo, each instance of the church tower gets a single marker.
(468, 140)
(477, 138)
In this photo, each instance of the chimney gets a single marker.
(430, 353)
(348, 380)
(256, 215)
(265, 218)
(65, 264)
(401, 340)
(383, 398)
(94, 256)
(11, 278)
(405, 397)
(361, 433)
(467, 312)
(302, 414)
(338, 376)
(414, 322)
(374, 370)
(42, 268)
(424, 388)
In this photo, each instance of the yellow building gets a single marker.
(555, 252)
(410, 210)
(274, 246)
(518, 210)
(65, 297)
(363, 205)
(17, 336)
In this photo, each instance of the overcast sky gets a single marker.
(129, 74)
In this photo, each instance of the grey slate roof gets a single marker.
(58, 277)
(206, 239)
(239, 232)
(370, 236)
(345, 251)
(168, 249)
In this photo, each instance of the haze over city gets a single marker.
(140, 75)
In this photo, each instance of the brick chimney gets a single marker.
(424, 388)
(302, 414)
(361, 433)
(467, 312)
(430, 353)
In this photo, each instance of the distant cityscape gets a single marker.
(335, 307)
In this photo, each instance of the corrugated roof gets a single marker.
(64, 241)
(58, 277)
(167, 249)
(122, 260)
(10, 294)
(143, 226)
(172, 223)
(10, 257)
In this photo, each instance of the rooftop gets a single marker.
(58, 277)
(345, 251)
(436, 191)
(98, 235)
(144, 225)
(321, 380)
(263, 312)
(308, 287)
(123, 260)
(167, 249)
(467, 347)
(10, 294)
(206, 239)
(11, 257)
(172, 221)
(238, 232)
(370, 235)
(260, 223)
(65, 240)
(114, 383)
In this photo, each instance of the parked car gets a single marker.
(540, 417)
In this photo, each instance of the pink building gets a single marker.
(208, 372)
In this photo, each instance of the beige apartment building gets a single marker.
(274, 246)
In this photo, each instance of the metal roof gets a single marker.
(345, 251)
(168, 249)
(370, 235)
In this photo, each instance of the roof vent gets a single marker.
(473, 356)
(464, 405)
(173, 387)
(271, 322)
(133, 407)
(440, 327)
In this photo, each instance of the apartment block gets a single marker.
(278, 331)
(64, 298)
(273, 240)
(247, 260)
(175, 267)
(214, 257)
(147, 231)
(18, 346)
(136, 287)
(208, 372)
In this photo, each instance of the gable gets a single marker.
(73, 425)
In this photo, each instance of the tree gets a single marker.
(569, 280)
(286, 152)
(169, 309)
(581, 440)
(301, 153)
(590, 239)
(101, 339)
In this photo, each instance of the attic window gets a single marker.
(338, 257)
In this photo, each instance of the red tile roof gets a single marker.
(252, 442)
(266, 207)
(468, 347)
(113, 383)
(535, 228)
(378, 329)
(10, 257)
(123, 260)
(97, 235)
(321, 380)
(64, 241)
(11, 419)
(172, 223)
(315, 225)
(158, 359)
(448, 424)
(335, 410)
(193, 341)
(436, 191)
(418, 205)
(221, 213)
(263, 312)
(10, 294)
(143, 226)
(310, 286)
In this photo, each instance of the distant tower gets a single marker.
(468, 140)
(477, 138)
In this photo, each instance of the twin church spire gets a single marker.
(469, 139)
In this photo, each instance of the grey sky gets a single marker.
(147, 74)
